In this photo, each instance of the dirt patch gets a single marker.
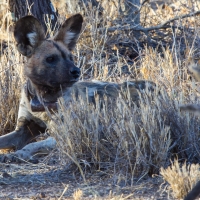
(53, 179)
(94, 189)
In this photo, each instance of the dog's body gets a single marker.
(51, 74)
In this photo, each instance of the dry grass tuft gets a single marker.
(122, 139)
(78, 194)
(181, 177)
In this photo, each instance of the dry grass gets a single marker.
(125, 143)
(125, 140)
(78, 194)
(11, 74)
(182, 178)
(10, 87)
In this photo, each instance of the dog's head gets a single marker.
(50, 62)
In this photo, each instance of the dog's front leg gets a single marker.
(27, 127)
(25, 131)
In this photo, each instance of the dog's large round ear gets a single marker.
(69, 31)
(28, 33)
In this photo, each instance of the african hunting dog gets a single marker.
(52, 74)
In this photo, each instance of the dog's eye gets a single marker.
(50, 59)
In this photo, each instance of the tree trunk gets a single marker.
(42, 9)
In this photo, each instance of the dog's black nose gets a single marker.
(75, 72)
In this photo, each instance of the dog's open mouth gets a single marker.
(36, 106)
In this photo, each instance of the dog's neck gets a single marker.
(41, 96)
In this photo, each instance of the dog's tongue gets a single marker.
(36, 106)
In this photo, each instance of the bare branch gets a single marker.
(140, 28)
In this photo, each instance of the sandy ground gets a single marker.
(52, 179)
